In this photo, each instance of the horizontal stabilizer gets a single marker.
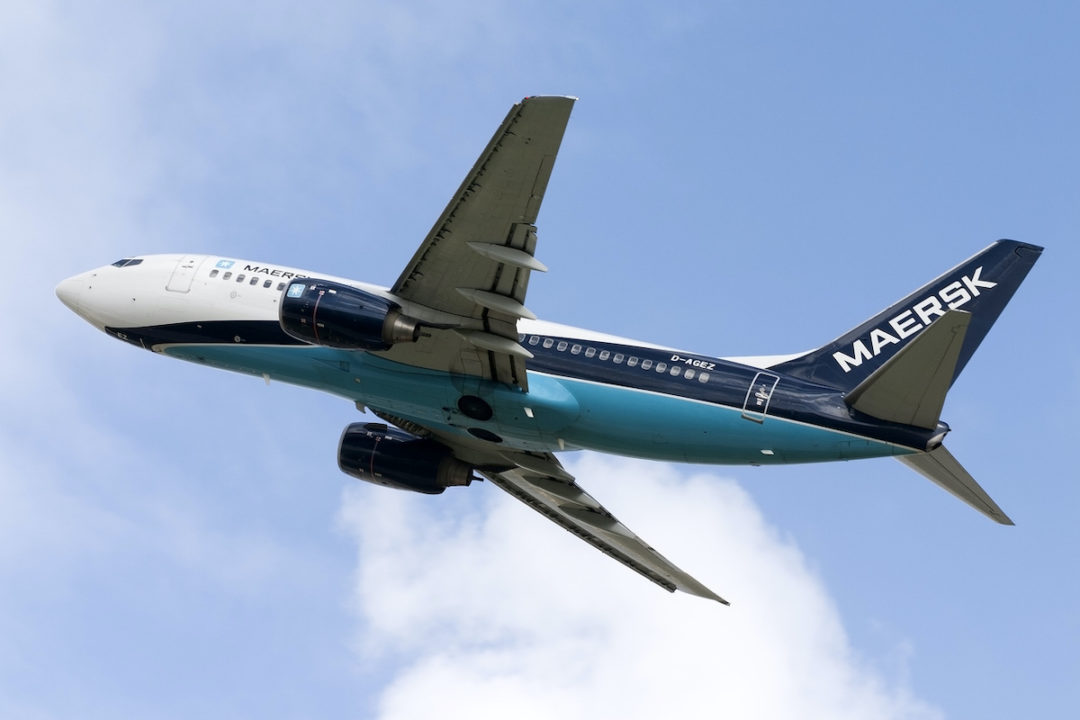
(910, 387)
(940, 466)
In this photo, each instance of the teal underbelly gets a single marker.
(653, 425)
(558, 413)
(533, 421)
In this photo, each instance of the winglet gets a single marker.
(941, 467)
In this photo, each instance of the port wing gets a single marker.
(541, 483)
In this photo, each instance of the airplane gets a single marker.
(468, 382)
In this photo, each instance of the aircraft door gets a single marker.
(184, 274)
(758, 396)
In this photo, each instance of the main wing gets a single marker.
(476, 261)
(539, 481)
(474, 267)
(544, 486)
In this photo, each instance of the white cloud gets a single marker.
(494, 610)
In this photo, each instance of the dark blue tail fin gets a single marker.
(982, 286)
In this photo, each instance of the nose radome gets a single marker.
(69, 292)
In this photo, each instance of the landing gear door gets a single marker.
(758, 396)
(184, 274)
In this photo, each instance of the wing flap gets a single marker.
(496, 301)
(495, 343)
(509, 255)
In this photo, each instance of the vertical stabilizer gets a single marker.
(981, 286)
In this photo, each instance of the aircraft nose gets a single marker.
(75, 292)
(70, 292)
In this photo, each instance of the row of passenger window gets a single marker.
(619, 358)
(254, 279)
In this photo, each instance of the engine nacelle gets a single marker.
(385, 456)
(321, 312)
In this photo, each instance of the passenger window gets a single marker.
(548, 342)
(226, 276)
(280, 286)
(703, 377)
(575, 350)
(268, 283)
(690, 373)
(562, 345)
(590, 352)
(214, 273)
(240, 277)
(605, 354)
(632, 362)
(646, 364)
(675, 370)
(617, 359)
(254, 280)
(533, 339)
(661, 367)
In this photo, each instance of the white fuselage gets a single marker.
(224, 313)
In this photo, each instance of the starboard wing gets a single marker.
(476, 261)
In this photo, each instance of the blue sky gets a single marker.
(737, 178)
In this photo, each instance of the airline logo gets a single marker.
(953, 296)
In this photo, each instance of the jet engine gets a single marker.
(321, 312)
(385, 456)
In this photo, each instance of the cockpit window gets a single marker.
(127, 262)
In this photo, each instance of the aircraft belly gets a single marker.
(664, 427)
(533, 421)
(557, 414)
